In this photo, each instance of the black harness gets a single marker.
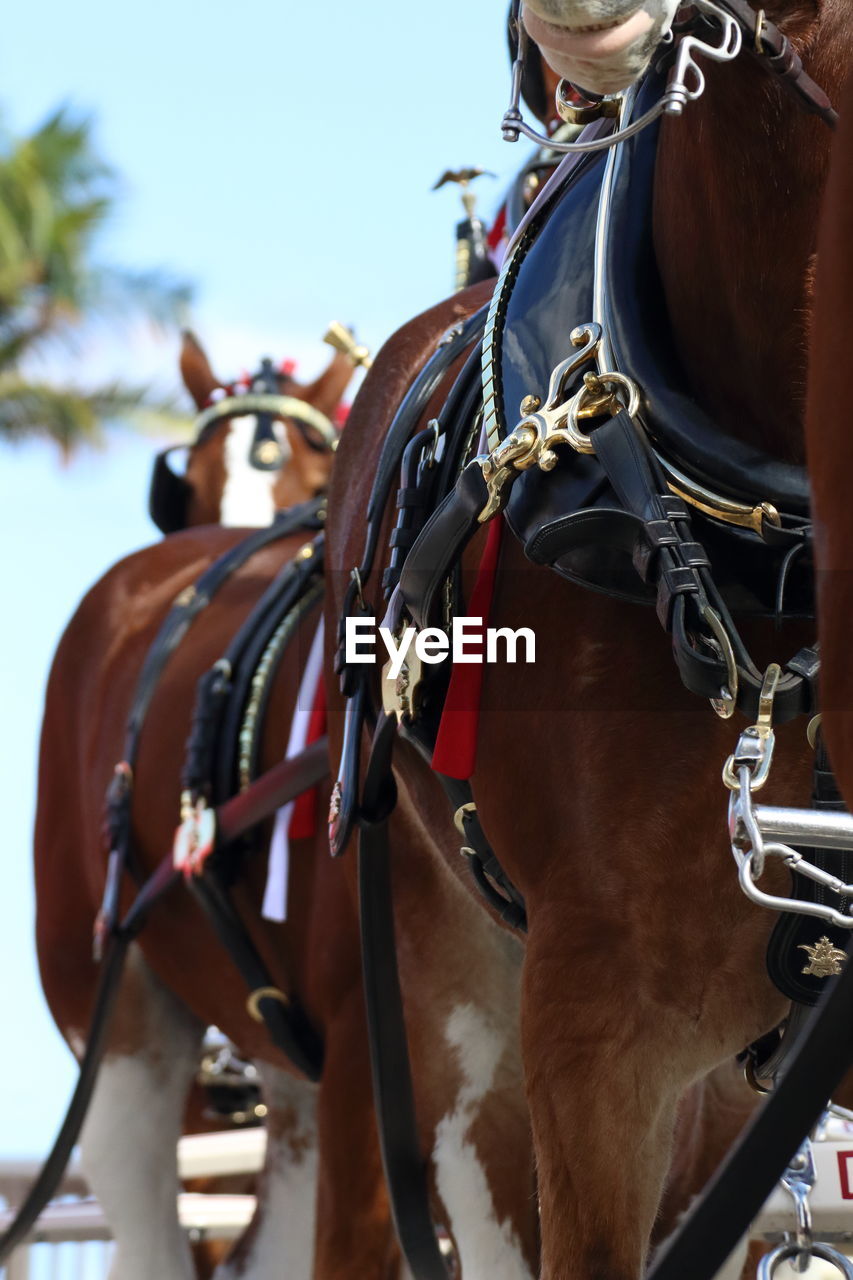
(211, 767)
(658, 513)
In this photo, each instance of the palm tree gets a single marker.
(55, 195)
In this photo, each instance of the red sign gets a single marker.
(845, 1174)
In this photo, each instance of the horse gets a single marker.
(242, 467)
(643, 967)
(322, 1175)
(828, 452)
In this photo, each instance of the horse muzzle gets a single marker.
(601, 48)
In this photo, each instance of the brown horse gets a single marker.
(178, 979)
(226, 486)
(830, 455)
(597, 783)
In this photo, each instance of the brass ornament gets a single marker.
(269, 453)
(344, 340)
(825, 960)
(401, 693)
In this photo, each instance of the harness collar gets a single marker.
(279, 406)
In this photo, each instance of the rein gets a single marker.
(280, 785)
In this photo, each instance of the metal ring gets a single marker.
(825, 1253)
(812, 730)
(752, 1079)
(253, 1004)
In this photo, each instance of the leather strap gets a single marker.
(774, 51)
(393, 1096)
(286, 1021)
(281, 785)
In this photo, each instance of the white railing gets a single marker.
(72, 1241)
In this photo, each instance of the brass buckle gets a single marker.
(541, 429)
(760, 24)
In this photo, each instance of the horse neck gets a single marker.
(737, 198)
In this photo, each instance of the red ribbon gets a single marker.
(303, 820)
(455, 752)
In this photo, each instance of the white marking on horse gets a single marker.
(247, 499)
(129, 1139)
(283, 1244)
(488, 1250)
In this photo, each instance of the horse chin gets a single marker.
(594, 47)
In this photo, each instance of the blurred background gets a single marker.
(253, 170)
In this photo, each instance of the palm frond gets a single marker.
(72, 415)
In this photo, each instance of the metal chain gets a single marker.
(745, 772)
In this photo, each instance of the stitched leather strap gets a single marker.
(405, 1167)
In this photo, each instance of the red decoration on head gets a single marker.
(287, 368)
(341, 414)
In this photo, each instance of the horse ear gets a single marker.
(326, 392)
(199, 379)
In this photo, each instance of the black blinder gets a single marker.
(168, 494)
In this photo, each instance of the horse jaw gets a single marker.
(599, 45)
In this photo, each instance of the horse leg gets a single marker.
(279, 1242)
(603, 1094)
(129, 1140)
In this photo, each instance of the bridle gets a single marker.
(737, 25)
(262, 397)
(170, 492)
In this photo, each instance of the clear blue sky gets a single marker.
(281, 158)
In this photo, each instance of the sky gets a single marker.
(280, 158)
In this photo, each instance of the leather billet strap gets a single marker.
(423, 480)
(775, 52)
(393, 1095)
